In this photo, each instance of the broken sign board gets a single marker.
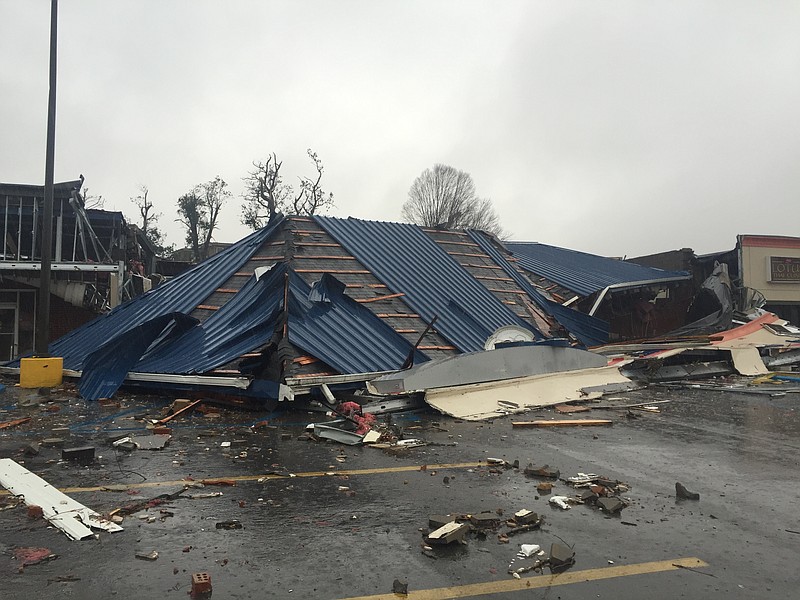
(68, 515)
(490, 400)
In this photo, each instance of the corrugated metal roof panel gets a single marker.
(339, 331)
(181, 294)
(584, 273)
(589, 330)
(434, 284)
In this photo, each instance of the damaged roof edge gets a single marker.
(589, 330)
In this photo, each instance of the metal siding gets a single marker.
(181, 294)
(591, 331)
(408, 261)
(584, 273)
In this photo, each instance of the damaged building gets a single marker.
(318, 297)
(637, 301)
(312, 300)
(98, 262)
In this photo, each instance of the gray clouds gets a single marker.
(615, 128)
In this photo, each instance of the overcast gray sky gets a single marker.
(618, 128)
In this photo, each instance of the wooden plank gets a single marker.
(178, 412)
(437, 348)
(319, 244)
(453, 243)
(468, 254)
(265, 258)
(569, 408)
(227, 290)
(445, 231)
(14, 423)
(493, 278)
(322, 257)
(208, 307)
(398, 315)
(516, 292)
(563, 423)
(304, 360)
(340, 272)
(377, 298)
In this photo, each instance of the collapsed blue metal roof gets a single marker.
(589, 330)
(180, 295)
(434, 284)
(585, 273)
(336, 330)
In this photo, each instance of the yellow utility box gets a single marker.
(40, 372)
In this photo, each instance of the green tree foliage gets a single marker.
(198, 212)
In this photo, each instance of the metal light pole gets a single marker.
(43, 313)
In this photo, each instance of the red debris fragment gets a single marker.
(201, 585)
(32, 556)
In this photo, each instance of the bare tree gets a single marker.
(311, 197)
(446, 197)
(149, 219)
(90, 201)
(266, 195)
(198, 212)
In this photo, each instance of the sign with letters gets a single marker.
(784, 268)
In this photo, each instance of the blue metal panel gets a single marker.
(105, 368)
(584, 273)
(589, 330)
(408, 261)
(243, 324)
(181, 294)
(339, 331)
(343, 333)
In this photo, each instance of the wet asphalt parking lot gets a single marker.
(347, 522)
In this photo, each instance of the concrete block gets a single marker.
(52, 442)
(437, 521)
(485, 520)
(32, 449)
(546, 471)
(449, 533)
(84, 455)
(525, 517)
(611, 505)
(561, 557)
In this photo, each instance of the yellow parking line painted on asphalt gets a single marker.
(244, 478)
(542, 581)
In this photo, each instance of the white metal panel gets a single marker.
(69, 515)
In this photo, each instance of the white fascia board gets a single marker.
(68, 515)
